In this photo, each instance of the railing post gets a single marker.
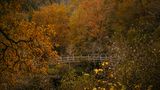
(73, 58)
(88, 57)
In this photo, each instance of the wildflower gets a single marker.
(105, 63)
(98, 70)
(102, 64)
(86, 74)
(94, 88)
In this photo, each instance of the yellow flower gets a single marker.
(96, 71)
(94, 88)
(105, 63)
(86, 74)
(100, 70)
(103, 89)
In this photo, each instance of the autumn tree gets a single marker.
(87, 25)
(135, 38)
(57, 15)
(26, 48)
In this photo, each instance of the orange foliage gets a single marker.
(26, 48)
(57, 15)
(90, 15)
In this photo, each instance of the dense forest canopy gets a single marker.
(33, 33)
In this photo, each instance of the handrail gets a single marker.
(93, 58)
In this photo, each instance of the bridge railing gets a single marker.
(93, 58)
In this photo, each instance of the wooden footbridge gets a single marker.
(74, 59)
